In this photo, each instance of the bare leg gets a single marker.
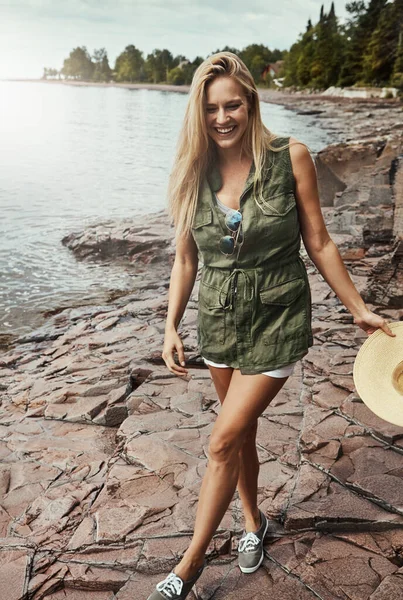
(248, 480)
(246, 398)
(247, 484)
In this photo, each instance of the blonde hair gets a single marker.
(196, 150)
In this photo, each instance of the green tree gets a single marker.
(328, 51)
(158, 64)
(256, 66)
(353, 45)
(257, 57)
(306, 56)
(383, 47)
(197, 62)
(291, 64)
(102, 70)
(190, 68)
(227, 49)
(317, 56)
(277, 54)
(397, 75)
(129, 65)
(362, 23)
(176, 76)
(78, 65)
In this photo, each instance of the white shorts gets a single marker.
(285, 371)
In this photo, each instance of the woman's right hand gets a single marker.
(172, 343)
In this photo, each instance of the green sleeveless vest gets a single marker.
(254, 311)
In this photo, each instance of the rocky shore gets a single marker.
(103, 450)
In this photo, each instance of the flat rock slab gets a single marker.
(15, 564)
(342, 566)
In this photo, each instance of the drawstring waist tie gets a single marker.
(229, 288)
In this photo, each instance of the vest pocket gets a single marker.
(283, 311)
(284, 293)
(276, 205)
(211, 319)
(202, 217)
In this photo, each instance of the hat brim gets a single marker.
(374, 374)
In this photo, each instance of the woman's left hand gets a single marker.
(370, 322)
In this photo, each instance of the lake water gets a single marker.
(73, 156)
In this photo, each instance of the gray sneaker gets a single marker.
(250, 547)
(174, 588)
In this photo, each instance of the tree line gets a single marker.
(160, 66)
(366, 50)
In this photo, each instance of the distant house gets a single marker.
(273, 69)
(182, 63)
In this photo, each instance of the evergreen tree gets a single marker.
(353, 45)
(380, 52)
(316, 58)
(328, 51)
(397, 75)
(197, 62)
(291, 64)
(306, 57)
(364, 20)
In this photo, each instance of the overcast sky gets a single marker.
(39, 33)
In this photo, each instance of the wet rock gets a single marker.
(143, 244)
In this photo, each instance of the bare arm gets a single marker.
(182, 280)
(319, 245)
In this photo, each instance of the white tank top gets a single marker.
(223, 207)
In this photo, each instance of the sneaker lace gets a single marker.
(172, 584)
(248, 542)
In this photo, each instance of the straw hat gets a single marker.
(378, 374)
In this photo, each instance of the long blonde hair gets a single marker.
(196, 151)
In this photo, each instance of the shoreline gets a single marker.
(276, 96)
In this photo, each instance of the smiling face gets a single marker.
(226, 112)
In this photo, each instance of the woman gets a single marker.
(241, 198)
